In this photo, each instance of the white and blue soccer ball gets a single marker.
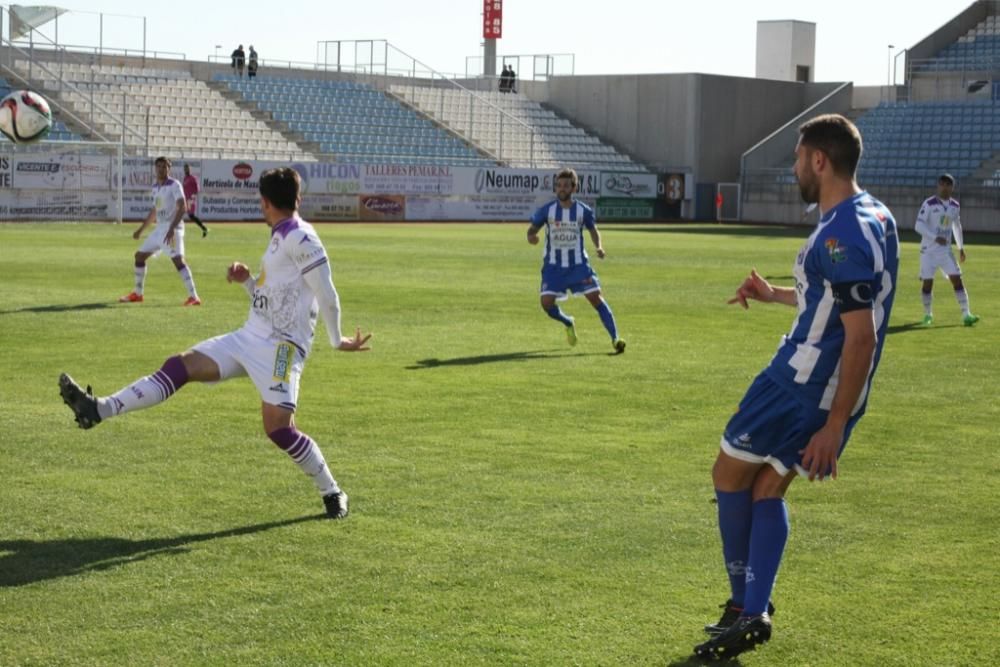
(25, 117)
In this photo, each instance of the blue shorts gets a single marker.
(579, 279)
(772, 425)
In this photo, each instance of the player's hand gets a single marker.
(169, 238)
(940, 241)
(820, 455)
(600, 253)
(356, 344)
(238, 272)
(533, 239)
(961, 256)
(754, 287)
(136, 234)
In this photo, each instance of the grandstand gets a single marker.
(533, 135)
(175, 113)
(945, 116)
(911, 144)
(353, 121)
(977, 49)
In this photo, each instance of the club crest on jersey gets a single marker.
(837, 252)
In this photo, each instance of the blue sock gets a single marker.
(557, 314)
(768, 535)
(735, 511)
(608, 319)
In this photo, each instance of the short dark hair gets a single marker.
(162, 160)
(946, 178)
(838, 138)
(566, 172)
(280, 186)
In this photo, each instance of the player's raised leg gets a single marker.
(145, 392)
(607, 318)
(279, 424)
(552, 309)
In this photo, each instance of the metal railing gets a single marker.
(777, 147)
(542, 65)
(98, 52)
(935, 79)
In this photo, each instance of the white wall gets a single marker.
(782, 45)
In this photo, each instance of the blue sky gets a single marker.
(627, 36)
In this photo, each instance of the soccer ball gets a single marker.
(25, 117)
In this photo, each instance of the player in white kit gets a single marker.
(168, 236)
(293, 288)
(939, 219)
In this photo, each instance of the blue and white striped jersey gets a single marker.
(855, 242)
(564, 232)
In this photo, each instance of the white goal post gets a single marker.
(62, 181)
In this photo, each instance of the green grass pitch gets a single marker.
(514, 501)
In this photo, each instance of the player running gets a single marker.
(937, 222)
(565, 265)
(168, 235)
(191, 190)
(799, 412)
(294, 284)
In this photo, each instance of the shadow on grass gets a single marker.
(58, 308)
(691, 661)
(29, 561)
(494, 359)
(918, 326)
(765, 231)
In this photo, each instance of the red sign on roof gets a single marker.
(492, 19)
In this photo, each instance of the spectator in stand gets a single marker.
(239, 57)
(503, 80)
(252, 64)
(511, 80)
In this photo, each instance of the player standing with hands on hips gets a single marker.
(565, 265)
(293, 287)
(799, 412)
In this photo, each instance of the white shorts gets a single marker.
(273, 366)
(937, 257)
(154, 243)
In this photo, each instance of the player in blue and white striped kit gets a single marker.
(565, 264)
(799, 412)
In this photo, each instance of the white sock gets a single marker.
(144, 392)
(963, 301)
(140, 278)
(188, 281)
(312, 463)
(927, 298)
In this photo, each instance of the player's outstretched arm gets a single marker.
(356, 344)
(320, 282)
(755, 288)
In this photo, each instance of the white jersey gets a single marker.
(283, 306)
(939, 219)
(165, 198)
